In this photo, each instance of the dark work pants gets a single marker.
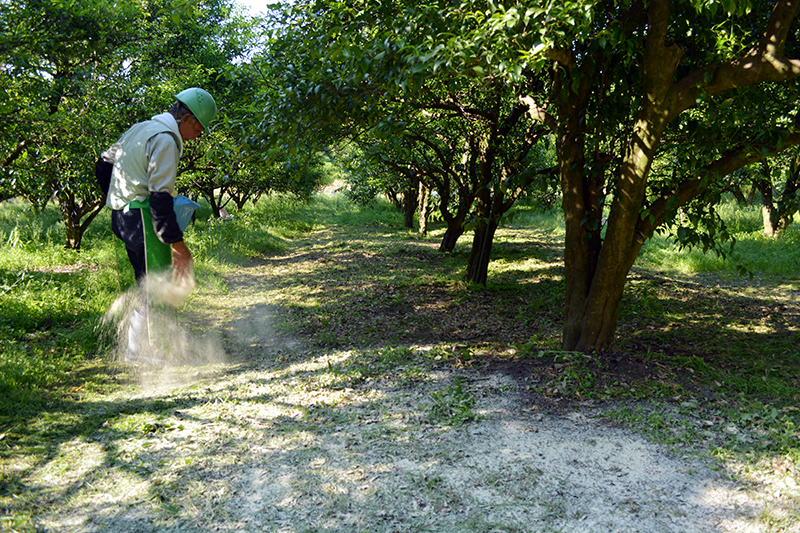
(128, 227)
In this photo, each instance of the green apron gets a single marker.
(158, 256)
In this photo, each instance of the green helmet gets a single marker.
(200, 103)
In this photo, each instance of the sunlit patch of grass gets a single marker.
(752, 251)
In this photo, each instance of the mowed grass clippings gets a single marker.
(336, 328)
(717, 355)
(720, 352)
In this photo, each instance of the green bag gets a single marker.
(158, 256)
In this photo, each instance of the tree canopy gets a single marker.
(652, 104)
(653, 109)
(74, 75)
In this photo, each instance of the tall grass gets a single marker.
(53, 299)
(547, 219)
(753, 251)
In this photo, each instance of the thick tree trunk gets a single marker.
(595, 276)
(489, 209)
(455, 229)
(596, 273)
(478, 265)
(578, 255)
(74, 235)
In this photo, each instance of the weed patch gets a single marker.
(452, 406)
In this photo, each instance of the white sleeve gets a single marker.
(110, 155)
(162, 163)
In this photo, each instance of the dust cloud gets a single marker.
(151, 339)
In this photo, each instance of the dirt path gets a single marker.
(280, 437)
(273, 449)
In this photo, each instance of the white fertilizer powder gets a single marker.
(265, 450)
(165, 288)
(162, 342)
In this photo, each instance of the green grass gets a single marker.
(756, 253)
(703, 342)
(53, 298)
(452, 405)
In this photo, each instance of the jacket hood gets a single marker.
(169, 121)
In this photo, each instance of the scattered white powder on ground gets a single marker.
(264, 450)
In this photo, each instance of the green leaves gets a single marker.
(452, 406)
(726, 7)
(77, 73)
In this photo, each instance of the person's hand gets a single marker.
(181, 260)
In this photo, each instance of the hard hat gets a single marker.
(200, 103)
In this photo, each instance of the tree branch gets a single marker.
(21, 147)
(763, 62)
(728, 162)
(538, 113)
(561, 55)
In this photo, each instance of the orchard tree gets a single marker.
(627, 78)
(375, 167)
(344, 72)
(634, 92)
(50, 55)
(624, 85)
(237, 164)
(778, 181)
(75, 74)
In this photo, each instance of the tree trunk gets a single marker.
(595, 276)
(72, 213)
(596, 272)
(74, 235)
(488, 208)
(391, 195)
(455, 222)
(736, 191)
(409, 204)
(578, 268)
(768, 211)
(478, 265)
(424, 207)
(455, 229)
(778, 213)
(209, 194)
(769, 214)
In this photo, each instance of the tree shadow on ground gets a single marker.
(306, 317)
